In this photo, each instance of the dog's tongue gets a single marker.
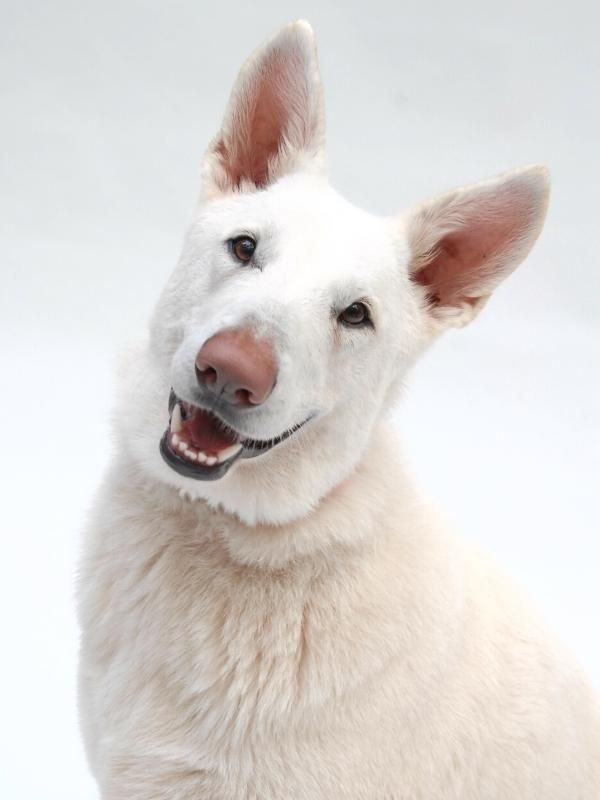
(205, 432)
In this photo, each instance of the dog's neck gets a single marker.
(343, 518)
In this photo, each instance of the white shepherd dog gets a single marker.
(268, 609)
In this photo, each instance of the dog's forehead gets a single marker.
(302, 220)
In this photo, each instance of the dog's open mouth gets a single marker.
(198, 444)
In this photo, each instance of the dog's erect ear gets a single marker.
(275, 121)
(465, 242)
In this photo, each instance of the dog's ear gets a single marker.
(275, 121)
(465, 242)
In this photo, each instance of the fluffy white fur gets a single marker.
(305, 628)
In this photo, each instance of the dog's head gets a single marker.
(292, 316)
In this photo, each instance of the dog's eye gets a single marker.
(243, 248)
(355, 315)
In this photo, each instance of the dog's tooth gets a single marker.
(211, 460)
(176, 422)
(193, 456)
(228, 452)
(182, 446)
(174, 439)
(202, 457)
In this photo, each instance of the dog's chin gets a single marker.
(199, 444)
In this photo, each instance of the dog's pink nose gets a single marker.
(237, 366)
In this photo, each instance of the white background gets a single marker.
(106, 107)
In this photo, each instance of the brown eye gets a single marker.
(243, 248)
(355, 315)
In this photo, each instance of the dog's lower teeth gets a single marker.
(201, 457)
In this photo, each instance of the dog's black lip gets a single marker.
(250, 447)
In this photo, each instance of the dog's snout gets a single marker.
(237, 365)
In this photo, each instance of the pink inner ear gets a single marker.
(273, 107)
(466, 261)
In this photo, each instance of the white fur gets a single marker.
(305, 627)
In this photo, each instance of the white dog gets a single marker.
(268, 609)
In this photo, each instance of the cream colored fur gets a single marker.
(306, 628)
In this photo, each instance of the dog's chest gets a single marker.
(220, 653)
(223, 667)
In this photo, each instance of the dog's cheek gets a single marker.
(141, 412)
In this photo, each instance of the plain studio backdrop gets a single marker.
(106, 109)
